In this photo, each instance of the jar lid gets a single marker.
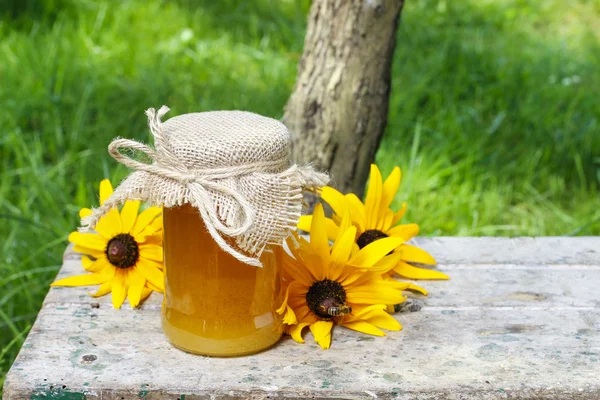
(233, 166)
(227, 139)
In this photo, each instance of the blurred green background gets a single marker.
(494, 113)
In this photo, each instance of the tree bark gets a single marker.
(338, 110)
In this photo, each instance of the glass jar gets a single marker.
(214, 304)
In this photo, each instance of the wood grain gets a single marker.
(497, 330)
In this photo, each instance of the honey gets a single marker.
(235, 168)
(214, 304)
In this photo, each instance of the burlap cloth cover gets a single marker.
(233, 166)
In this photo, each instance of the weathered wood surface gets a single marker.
(519, 319)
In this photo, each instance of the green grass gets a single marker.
(493, 117)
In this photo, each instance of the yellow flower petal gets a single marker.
(335, 199)
(303, 313)
(321, 331)
(145, 218)
(362, 311)
(129, 214)
(153, 287)
(408, 271)
(405, 231)
(151, 251)
(106, 190)
(415, 254)
(84, 212)
(319, 241)
(151, 273)
(283, 306)
(387, 263)
(81, 280)
(93, 265)
(373, 199)
(415, 288)
(119, 289)
(109, 225)
(292, 267)
(87, 263)
(156, 238)
(357, 211)
(390, 188)
(355, 249)
(314, 263)
(155, 226)
(377, 316)
(136, 284)
(295, 331)
(108, 270)
(344, 223)
(386, 220)
(297, 294)
(88, 240)
(290, 317)
(364, 327)
(374, 251)
(104, 289)
(155, 264)
(398, 216)
(374, 294)
(306, 221)
(342, 248)
(146, 291)
(353, 276)
(91, 252)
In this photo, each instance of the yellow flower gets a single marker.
(125, 256)
(326, 285)
(374, 220)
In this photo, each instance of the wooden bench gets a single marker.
(519, 319)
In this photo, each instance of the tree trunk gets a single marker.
(338, 110)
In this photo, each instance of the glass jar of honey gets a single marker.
(230, 197)
(214, 304)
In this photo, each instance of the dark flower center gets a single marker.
(122, 251)
(368, 237)
(326, 299)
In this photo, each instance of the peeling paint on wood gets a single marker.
(501, 328)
